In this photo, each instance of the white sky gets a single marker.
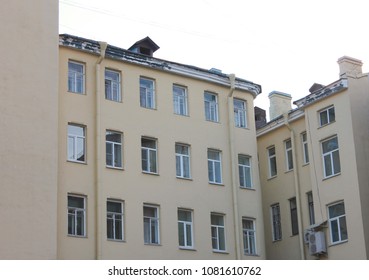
(283, 45)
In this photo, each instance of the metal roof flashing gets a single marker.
(128, 56)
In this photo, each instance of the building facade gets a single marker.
(157, 160)
(28, 129)
(313, 173)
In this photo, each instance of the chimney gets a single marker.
(280, 103)
(349, 66)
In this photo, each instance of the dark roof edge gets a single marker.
(92, 46)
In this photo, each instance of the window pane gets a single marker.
(184, 215)
(109, 154)
(181, 237)
(244, 160)
(273, 167)
(76, 202)
(217, 220)
(152, 161)
(188, 235)
(75, 130)
(323, 118)
(328, 165)
(336, 210)
(148, 143)
(186, 167)
(80, 149)
(336, 162)
(115, 207)
(71, 148)
(144, 160)
(334, 229)
(221, 238)
(117, 155)
(149, 212)
(218, 172)
(213, 155)
(343, 228)
(331, 113)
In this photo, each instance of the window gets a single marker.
(249, 237)
(214, 167)
(272, 162)
(327, 116)
(180, 100)
(239, 113)
(294, 221)
(244, 170)
(76, 77)
(305, 150)
(147, 93)
(211, 107)
(112, 85)
(76, 143)
(337, 222)
(113, 149)
(185, 231)
(182, 161)
(276, 222)
(218, 232)
(289, 158)
(151, 224)
(331, 157)
(114, 220)
(311, 208)
(149, 155)
(76, 215)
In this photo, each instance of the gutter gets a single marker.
(98, 195)
(297, 187)
(232, 79)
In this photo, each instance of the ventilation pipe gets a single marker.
(98, 196)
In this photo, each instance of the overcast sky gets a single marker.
(284, 45)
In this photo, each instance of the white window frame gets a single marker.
(76, 79)
(240, 116)
(75, 138)
(289, 155)
(217, 232)
(183, 161)
(215, 166)
(340, 221)
(147, 94)
(305, 147)
(330, 115)
(114, 155)
(272, 157)
(75, 212)
(249, 237)
(113, 92)
(211, 106)
(187, 227)
(330, 156)
(151, 225)
(275, 213)
(180, 103)
(150, 155)
(116, 219)
(244, 172)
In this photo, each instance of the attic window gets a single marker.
(145, 51)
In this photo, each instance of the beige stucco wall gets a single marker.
(135, 188)
(281, 188)
(28, 129)
(344, 186)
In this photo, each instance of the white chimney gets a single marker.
(349, 66)
(280, 103)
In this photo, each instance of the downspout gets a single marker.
(232, 79)
(98, 185)
(297, 186)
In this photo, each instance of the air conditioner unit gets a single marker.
(317, 243)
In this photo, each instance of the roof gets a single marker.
(116, 53)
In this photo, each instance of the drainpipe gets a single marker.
(98, 196)
(297, 186)
(232, 79)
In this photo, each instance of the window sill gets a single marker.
(77, 236)
(152, 244)
(148, 108)
(271, 178)
(187, 249)
(115, 101)
(216, 184)
(246, 188)
(338, 243)
(288, 171)
(251, 255)
(184, 178)
(114, 168)
(221, 252)
(76, 92)
(76, 161)
(332, 176)
(150, 173)
(116, 240)
(306, 164)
